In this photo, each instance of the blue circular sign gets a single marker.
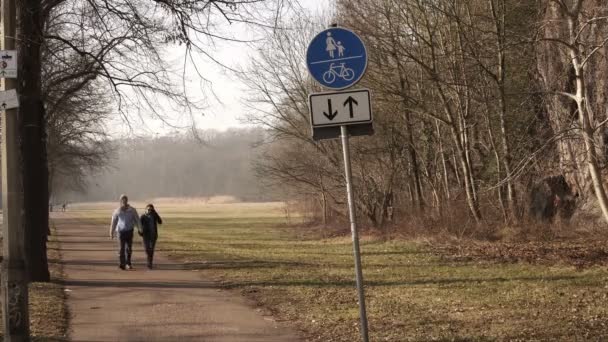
(336, 58)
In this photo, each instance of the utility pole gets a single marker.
(14, 279)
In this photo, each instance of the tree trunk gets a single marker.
(410, 192)
(499, 21)
(466, 149)
(592, 164)
(556, 71)
(33, 141)
(500, 188)
(460, 138)
(456, 168)
(324, 207)
(414, 159)
(443, 162)
(467, 175)
(587, 131)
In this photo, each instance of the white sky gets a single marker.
(223, 96)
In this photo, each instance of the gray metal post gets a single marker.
(14, 282)
(355, 234)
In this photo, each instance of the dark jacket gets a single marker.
(149, 224)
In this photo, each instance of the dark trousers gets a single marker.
(125, 239)
(149, 244)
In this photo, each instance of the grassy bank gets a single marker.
(413, 294)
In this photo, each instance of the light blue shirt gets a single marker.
(124, 220)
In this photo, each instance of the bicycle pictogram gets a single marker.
(340, 71)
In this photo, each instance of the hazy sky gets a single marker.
(222, 91)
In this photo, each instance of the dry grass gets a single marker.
(47, 304)
(454, 236)
(194, 200)
(414, 293)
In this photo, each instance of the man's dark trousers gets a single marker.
(126, 244)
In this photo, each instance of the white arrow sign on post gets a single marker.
(340, 108)
(9, 99)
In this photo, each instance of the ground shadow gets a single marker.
(140, 284)
(82, 249)
(190, 266)
(372, 283)
(312, 283)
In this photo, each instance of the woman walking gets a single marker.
(150, 221)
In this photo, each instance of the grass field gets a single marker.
(412, 294)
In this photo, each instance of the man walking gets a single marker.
(124, 219)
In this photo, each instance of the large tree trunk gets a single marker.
(587, 131)
(33, 138)
(556, 74)
(570, 34)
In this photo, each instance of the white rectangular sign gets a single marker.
(8, 63)
(9, 99)
(340, 108)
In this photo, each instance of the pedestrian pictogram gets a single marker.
(336, 58)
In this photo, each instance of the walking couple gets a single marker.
(124, 221)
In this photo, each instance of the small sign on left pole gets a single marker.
(8, 69)
(9, 99)
(8, 63)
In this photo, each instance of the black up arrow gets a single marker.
(331, 114)
(349, 101)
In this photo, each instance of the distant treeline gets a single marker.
(181, 165)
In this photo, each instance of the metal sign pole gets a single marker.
(14, 281)
(355, 234)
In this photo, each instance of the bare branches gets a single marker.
(102, 54)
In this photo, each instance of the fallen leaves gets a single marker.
(581, 254)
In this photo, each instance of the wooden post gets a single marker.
(14, 280)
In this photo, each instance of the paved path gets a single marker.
(166, 304)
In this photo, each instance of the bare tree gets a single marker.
(422, 40)
(118, 43)
(280, 86)
(576, 32)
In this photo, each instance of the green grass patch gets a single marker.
(412, 294)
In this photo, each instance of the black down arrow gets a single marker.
(331, 114)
